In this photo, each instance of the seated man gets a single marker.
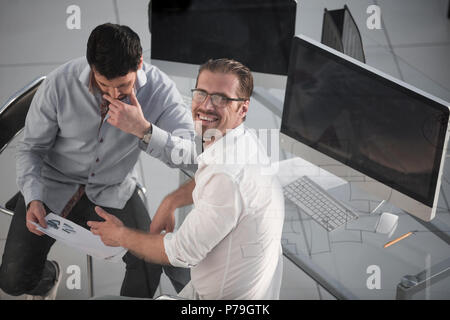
(79, 150)
(231, 238)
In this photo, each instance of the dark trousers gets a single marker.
(24, 258)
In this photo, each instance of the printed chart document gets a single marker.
(80, 238)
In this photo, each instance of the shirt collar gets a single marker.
(217, 151)
(85, 76)
(141, 78)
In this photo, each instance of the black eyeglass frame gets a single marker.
(216, 94)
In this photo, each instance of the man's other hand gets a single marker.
(127, 117)
(110, 230)
(36, 213)
(164, 219)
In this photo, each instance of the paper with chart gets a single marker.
(80, 238)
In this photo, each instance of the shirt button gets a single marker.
(101, 140)
(97, 160)
(92, 174)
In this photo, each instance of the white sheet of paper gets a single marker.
(80, 238)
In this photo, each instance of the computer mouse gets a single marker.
(387, 223)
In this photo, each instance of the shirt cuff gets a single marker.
(30, 196)
(158, 140)
(169, 247)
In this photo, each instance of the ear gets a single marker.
(141, 62)
(244, 108)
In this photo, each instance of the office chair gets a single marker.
(14, 112)
(12, 122)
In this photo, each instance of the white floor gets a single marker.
(413, 45)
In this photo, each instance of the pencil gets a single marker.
(390, 243)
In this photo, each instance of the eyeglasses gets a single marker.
(218, 100)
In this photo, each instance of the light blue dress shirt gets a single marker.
(65, 145)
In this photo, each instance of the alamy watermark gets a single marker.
(73, 281)
(230, 149)
(73, 21)
(374, 280)
(374, 20)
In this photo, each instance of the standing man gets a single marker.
(86, 127)
(231, 238)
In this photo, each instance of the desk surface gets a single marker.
(350, 261)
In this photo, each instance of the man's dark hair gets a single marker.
(113, 50)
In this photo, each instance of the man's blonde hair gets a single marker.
(229, 66)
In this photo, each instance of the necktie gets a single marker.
(80, 191)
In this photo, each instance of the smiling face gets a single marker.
(206, 115)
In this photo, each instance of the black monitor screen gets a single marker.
(376, 126)
(257, 33)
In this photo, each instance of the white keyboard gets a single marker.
(318, 204)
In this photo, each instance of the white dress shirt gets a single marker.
(231, 238)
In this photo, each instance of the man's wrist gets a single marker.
(123, 236)
(33, 202)
(170, 202)
(146, 128)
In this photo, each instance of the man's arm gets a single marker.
(217, 214)
(164, 218)
(39, 135)
(149, 247)
(172, 129)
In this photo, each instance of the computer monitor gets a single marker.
(365, 126)
(257, 33)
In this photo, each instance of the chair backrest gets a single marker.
(14, 112)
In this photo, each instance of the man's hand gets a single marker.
(127, 117)
(164, 218)
(36, 213)
(110, 230)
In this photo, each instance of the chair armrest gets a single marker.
(11, 204)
